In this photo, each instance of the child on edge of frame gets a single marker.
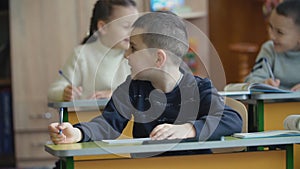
(278, 61)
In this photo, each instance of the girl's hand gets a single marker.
(101, 94)
(272, 82)
(71, 92)
(296, 88)
(170, 131)
(68, 133)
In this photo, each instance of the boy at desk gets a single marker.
(166, 101)
(278, 61)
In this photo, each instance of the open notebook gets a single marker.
(253, 87)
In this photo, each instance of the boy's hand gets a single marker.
(170, 131)
(69, 134)
(296, 88)
(272, 82)
(71, 92)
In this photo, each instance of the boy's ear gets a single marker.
(101, 26)
(161, 58)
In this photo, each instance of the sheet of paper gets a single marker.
(270, 133)
(233, 93)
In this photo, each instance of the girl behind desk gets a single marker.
(282, 52)
(98, 66)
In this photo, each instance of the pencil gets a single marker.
(269, 69)
(64, 76)
(61, 110)
(61, 117)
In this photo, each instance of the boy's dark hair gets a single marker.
(102, 11)
(291, 9)
(164, 30)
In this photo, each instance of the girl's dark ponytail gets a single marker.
(102, 11)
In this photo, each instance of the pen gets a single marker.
(269, 68)
(64, 76)
(61, 117)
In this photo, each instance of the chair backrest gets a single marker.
(242, 110)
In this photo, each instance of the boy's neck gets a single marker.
(167, 83)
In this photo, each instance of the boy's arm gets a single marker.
(216, 119)
(213, 119)
(260, 72)
(115, 116)
(109, 125)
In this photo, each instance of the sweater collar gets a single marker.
(107, 51)
(293, 53)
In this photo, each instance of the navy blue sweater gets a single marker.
(193, 100)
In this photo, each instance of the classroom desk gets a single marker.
(272, 109)
(282, 158)
(288, 101)
(78, 106)
(257, 102)
(266, 111)
(79, 103)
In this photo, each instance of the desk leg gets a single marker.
(65, 163)
(290, 156)
(259, 113)
(256, 116)
(69, 163)
(69, 160)
(66, 116)
(252, 124)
